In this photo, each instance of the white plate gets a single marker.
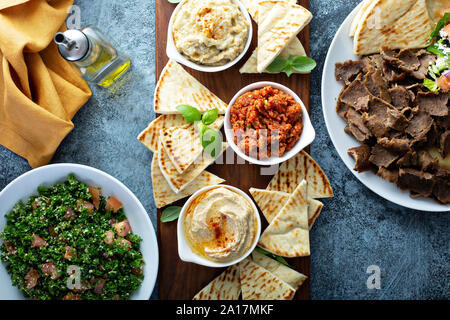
(26, 185)
(341, 50)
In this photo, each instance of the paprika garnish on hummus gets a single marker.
(210, 32)
(266, 122)
(220, 225)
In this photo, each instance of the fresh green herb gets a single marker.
(431, 85)
(189, 113)
(210, 116)
(210, 139)
(273, 256)
(441, 24)
(174, 1)
(212, 142)
(288, 66)
(64, 216)
(170, 214)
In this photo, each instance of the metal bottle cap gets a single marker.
(73, 45)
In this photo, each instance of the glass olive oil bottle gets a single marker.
(94, 56)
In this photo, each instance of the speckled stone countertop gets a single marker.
(357, 228)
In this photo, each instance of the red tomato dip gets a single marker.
(266, 122)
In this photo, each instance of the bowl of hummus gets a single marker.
(218, 226)
(267, 124)
(209, 35)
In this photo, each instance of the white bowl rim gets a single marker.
(419, 204)
(307, 137)
(151, 230)
(184, 250)
(175, 55)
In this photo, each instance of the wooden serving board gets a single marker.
(179, 280)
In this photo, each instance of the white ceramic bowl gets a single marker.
(175, 55)
(184, 250)
(26, 185)
(307, 137)
(341, 50)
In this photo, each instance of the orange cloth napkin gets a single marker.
(40, 92)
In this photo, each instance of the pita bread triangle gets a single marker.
(271, 202)
(163, 193)
(362, 9)
(176, 86)
(182, 144)
(394, 24)
(290, 276)
(293, 49)
(227, 286)
(178, 182)
(256, 8)
(280, 25)
(258, 283)
(149, 137)
(288, 234)
(298, 168)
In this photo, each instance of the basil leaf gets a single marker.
(212, 142)
(281, 260)
(201, 128)
(430, 85)
(170, 214)
(210, 116)
(288, 71)
(278, 65)
(273, 256)
(303, 64)
(441, 24)
(189, 113)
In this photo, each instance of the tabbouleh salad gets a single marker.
(71, 224)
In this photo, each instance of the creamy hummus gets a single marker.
(220, 225)
(210, 32)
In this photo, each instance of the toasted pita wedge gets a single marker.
(183, 145)
(290, 276)
(178, 182)
(293, 49)
(150, 136)
(227, 286)
(176, 86)
(300, 167)
(280, 25)
(395, 24)
(363, 7)
(288, 234)
(314, 209)
(258, 283)
(163, 193)
(260, 7)
(271, 202)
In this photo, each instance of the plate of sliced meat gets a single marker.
(384, 106)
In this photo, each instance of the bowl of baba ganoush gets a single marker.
(72, 232)
(209, 35)
(219, 226)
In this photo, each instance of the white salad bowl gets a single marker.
(173, 53)
(307, 137)
(184, 250)
(26, 185)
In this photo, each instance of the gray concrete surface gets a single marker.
(357, 228)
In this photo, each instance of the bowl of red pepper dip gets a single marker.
(266, 123)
